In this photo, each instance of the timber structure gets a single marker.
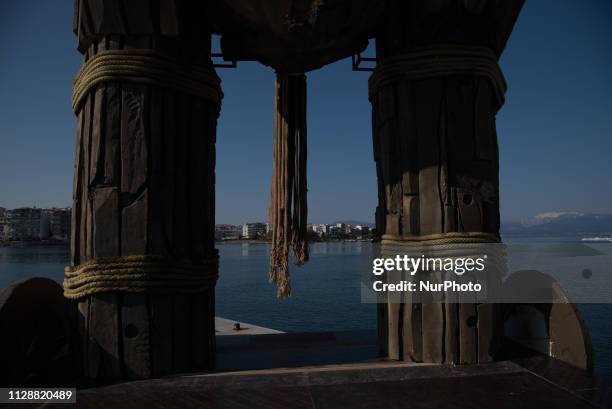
(147, 99)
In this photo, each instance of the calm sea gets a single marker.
(326, 290)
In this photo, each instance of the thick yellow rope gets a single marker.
(139, 274)
(149, 67)
(439, 61)
(448, 245)
(444, 238)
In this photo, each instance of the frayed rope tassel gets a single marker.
(288, 201)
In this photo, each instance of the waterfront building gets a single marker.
(31, 223)
(22, 224)
(253, 230)
(59, 223)
(227, 232)
(2, 223)
(319, 229)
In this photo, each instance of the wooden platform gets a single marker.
(225, 327)
(349, 375)
(374, 385)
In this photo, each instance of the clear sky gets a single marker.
(555, 131)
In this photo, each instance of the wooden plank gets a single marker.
(411, 328)
(200, 330)
(75, 224)
(460, 129)
(470, 210)
(168, 18)
(432, 324)
(212, 343)
(417, 332)
(433, 332)
(429, 94)
(97, 137)
(410, 215)
(161, 333)
(383, 328)
(104, 330)
(386, 105)
(170, 168)
(84, 177)
(395, 329)
(134, 155)
(134, 226)
(408, 161)
(96, 11)
(488, 332)
(468, 335)
(135, 335)
(156, 240)
(394, 317)
(112, 134)
(199, 185)
(451, 333)
(138, 17)
(181, 216)
(485, 144)
(86, 27)
(114, 21)
(449, 222)
(212, 114)
(390, 177)
(182, 332)
(82, 325)
(75, 16)
(106, 220)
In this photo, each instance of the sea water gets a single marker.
(326, 290)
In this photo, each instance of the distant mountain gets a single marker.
(562, 224)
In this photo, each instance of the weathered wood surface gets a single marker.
(436, 154)
(542, 383)
(144, 183)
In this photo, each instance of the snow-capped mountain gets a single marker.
(562, 223)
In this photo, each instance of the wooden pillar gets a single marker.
(436, 153)
(144, 184)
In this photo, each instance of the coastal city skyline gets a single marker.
(25, 224)
(53, 224)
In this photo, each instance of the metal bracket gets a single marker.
(357, 59)
(232, 64)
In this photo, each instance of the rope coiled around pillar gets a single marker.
(149, 67)
(444, 238)
(449, 245)
(440, 60)
(140, 274)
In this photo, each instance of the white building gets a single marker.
(253, 230)
(320, 229)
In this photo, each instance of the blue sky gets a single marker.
(555, 131)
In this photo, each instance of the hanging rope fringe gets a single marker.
(288, 206)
